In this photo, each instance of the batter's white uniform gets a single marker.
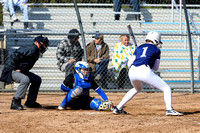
(147, 57)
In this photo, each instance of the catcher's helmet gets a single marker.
(155, 37)
(78, 66)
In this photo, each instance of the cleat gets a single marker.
(173, 113)
(61, 107)
(117, 111)
(32, 104)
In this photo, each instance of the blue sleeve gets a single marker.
(101, 93)
(64, 88)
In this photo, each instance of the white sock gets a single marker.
(168, 98)
(129, 95)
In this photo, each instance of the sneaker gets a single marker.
(173, 113)
(14, 18)
(61, 107)
(32, 104)
(117, 111)
(16, 104)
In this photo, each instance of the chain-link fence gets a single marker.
(56, 20)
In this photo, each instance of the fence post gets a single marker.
(81, 29)
(180, 16)
(172, 10)
(2, 53)
(190, 46)
(198, 76)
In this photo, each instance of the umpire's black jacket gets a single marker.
(22, 59)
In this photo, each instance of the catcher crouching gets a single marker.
(78, 85)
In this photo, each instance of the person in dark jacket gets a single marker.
(16, 69)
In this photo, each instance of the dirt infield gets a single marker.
(146, 114)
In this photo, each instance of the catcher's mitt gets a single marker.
(106, 105)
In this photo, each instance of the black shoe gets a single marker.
(116, 111)
(117, 17)
(14, 18)
(26, 26)
(16, 104)
(32, 104)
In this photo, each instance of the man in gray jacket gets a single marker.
(69, 51)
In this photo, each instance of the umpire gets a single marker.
(16, 69)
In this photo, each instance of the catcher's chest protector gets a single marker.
(85, 84)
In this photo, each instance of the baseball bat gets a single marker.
(131, 34)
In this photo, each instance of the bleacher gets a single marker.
(56, 20)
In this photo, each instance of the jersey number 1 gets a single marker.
(144, 52)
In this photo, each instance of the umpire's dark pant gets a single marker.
(24, 80)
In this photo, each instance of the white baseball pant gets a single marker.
(143, 73)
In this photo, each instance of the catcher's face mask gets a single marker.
(43, 43)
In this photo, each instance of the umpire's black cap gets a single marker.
(42, 39)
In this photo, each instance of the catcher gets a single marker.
(78, 85)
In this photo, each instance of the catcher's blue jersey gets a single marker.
(146, 54)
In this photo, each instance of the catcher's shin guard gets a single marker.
(95, 103)
(98, 104)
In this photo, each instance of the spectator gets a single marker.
(78, 86)
(122, 51)
(69, 51)
(134, 3)
(17, 5)
(17, 68)
(98, 58)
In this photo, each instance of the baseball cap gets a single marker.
(97, 36)
(73, 36)
(39, 39)
(45, 41)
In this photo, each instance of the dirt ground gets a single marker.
(146, 114)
